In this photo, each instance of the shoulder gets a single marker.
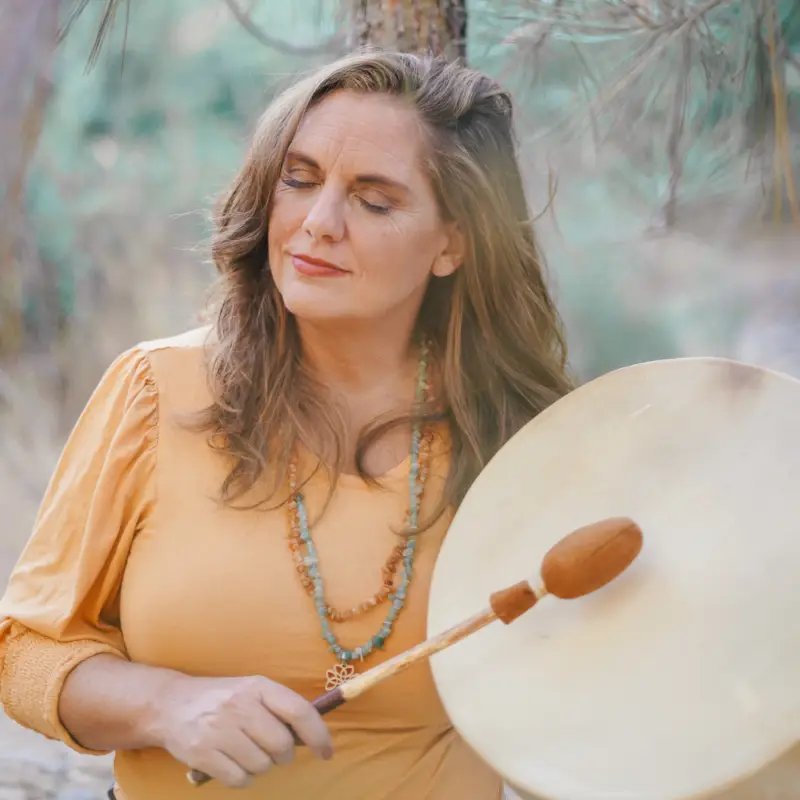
(177, 365)
(187, 343)
(183, 351)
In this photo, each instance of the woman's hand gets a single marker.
(236, 728)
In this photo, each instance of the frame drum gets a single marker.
(681, 678)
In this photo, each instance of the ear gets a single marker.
(452, 254)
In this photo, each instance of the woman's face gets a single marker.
(355, 232)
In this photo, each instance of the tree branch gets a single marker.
(334, 44)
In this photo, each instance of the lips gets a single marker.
(315, 267)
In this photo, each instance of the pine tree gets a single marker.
(411, 26)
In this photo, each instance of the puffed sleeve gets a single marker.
(61, 605)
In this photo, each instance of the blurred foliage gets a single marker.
(686, 93)
(667, 120)
(181, 94)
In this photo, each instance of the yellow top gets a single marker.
(131, 554)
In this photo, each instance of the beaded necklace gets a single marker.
(393, 588)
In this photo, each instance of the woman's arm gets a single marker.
(108, 703)
(61, 605)
(229, 728)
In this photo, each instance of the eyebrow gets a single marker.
(374, 179)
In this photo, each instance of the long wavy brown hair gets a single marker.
(495, 334)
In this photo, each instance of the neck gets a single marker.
(369, 371)
(357, 359)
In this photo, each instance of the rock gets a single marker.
(10, 793)
(75, 793)
(39, 779)
(35, 768)
(89, 770)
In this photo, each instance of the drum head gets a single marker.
(682, 676)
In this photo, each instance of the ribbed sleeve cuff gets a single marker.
(34, 671)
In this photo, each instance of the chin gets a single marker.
(317, 306)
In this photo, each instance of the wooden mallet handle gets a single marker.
(579, 564)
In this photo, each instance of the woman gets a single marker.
(244, 514)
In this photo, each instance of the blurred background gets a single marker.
(659, 139)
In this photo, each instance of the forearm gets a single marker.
(108, 703)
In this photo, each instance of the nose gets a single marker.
(325, 219)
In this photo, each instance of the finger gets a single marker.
(240, 748)
(297, 712)
(224, 769)
(272, 736)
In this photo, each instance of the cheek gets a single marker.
(281, 221)
(403, 253)
(284, 221)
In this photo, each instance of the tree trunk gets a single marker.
(411, 26)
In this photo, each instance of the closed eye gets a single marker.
(297, 184)
(374, 207)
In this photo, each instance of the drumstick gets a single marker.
(580, 563)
